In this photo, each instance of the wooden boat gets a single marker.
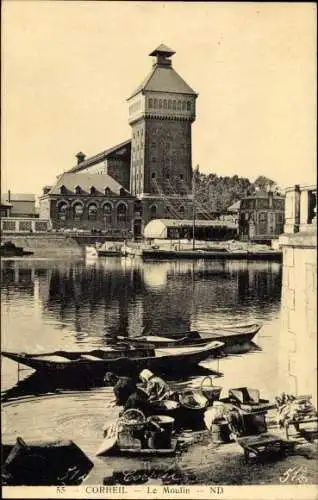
(96, 362)
(231, 335)
(107, 249)
(9, 249)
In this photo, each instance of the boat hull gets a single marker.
(178, 359)
(210, 255)
(229, 338)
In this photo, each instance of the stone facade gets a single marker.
(298, 336)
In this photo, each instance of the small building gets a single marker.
(183, 229)
(22, 204)
(261, 216)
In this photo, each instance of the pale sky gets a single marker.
(68, 67)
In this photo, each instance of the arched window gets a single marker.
(150, 103)
(121, 213)
(63, 189)
(188, 105)
(155, 103)
(92, 211)
(160, 103)
(77, 211)
(174, 105)
(184, 105)
(78, 190)
(62, 207)
(153, 175)
(93, 190)
(181, 177)
(181, 211)
(107, 212)
(179, 105)
(169, 104)
(153, 212)
(165, 103)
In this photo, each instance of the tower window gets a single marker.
(174, 105)
(167, 176)
(169, 104)
(153, 175)
(160, 103)
(153, 144)
(150, 103)
(165, 103)
(155, 103)
(179, 105)
(188, 105)
(184, 105)
(181, 177)
(153, 159)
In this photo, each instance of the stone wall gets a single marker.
(298, 336)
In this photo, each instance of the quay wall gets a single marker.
(48, 245)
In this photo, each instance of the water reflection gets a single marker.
(49, 305)
(127, 297)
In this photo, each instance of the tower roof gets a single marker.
(162, 77)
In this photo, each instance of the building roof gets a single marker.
(189, 222)
(18, 197)
(164, 79)
(263, 194)
(85, 181)
(119, 149)
(4, 204)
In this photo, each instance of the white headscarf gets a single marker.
(145, 375)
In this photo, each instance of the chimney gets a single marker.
(80, 157)
(9, 195)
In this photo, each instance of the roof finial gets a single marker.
(163, 54)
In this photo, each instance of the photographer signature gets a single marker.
(295, 475)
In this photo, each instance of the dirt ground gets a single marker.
(205, 462)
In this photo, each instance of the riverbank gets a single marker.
(202, 462)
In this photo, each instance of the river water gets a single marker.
(48, 305)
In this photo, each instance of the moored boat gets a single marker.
(107, 249)
(231, 335)
(9, 249)
(97, 362)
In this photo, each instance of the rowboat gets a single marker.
(96, 362)
(230, 336)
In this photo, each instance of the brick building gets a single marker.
(150, 174)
